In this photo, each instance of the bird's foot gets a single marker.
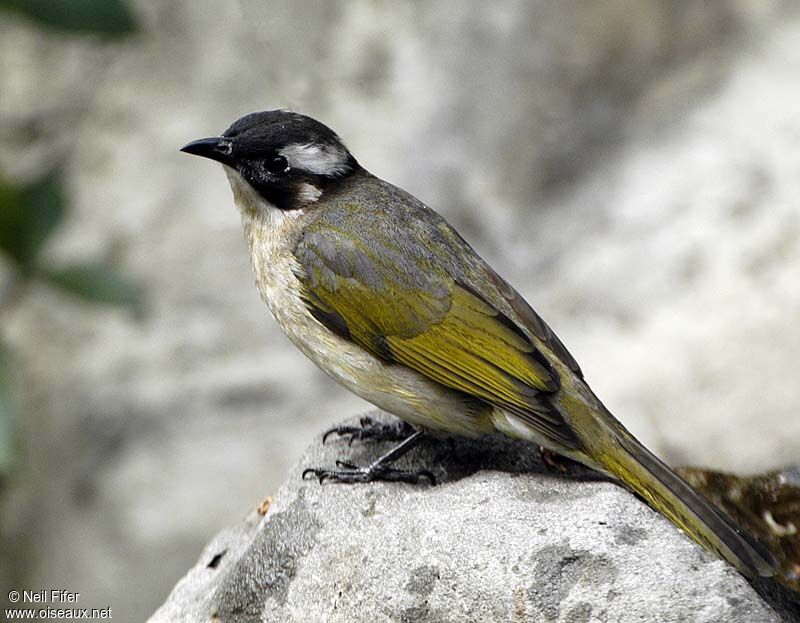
(348, 473)
(378, 470)
(372, 430)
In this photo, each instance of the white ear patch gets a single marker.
(316, 159)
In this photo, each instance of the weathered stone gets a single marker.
(500, 538)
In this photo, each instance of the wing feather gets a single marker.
(425, 319)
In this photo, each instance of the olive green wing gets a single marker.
(397, 302)
(532, 321)
(525, 315)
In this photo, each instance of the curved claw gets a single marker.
(369, 429)
(354, 432)
(411, 478)
(308, 470)
(380, 469)
(337, 430)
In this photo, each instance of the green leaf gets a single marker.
(29, 215)
(6, 436)
(103, 17)
(96, 283)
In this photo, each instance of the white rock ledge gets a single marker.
(498, 539)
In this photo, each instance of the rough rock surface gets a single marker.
(500, 538)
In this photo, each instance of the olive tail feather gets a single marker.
(673, 497)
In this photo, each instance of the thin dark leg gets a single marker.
(369, 429)
(400, 449)
(378, 470)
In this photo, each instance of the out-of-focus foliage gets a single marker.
(28, 216)
(103, 17)
(96, 283)
(31, 213)
(767, 506)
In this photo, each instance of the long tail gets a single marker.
(674, 498)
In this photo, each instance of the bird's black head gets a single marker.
(288, 158)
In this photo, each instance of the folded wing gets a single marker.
(407, 309)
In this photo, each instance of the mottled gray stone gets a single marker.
(500, 538)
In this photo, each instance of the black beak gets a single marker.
(216, 148)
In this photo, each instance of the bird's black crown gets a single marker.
(259, 132)
(288, 158)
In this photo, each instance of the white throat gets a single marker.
(271, 235)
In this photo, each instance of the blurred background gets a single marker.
(632, 166)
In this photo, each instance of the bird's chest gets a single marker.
(274, 266)
(271, 241)
(271, 235)
(396, 389)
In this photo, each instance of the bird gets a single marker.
(389, 300)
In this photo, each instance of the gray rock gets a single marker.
(500, 538)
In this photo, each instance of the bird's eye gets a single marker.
(277, 165)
